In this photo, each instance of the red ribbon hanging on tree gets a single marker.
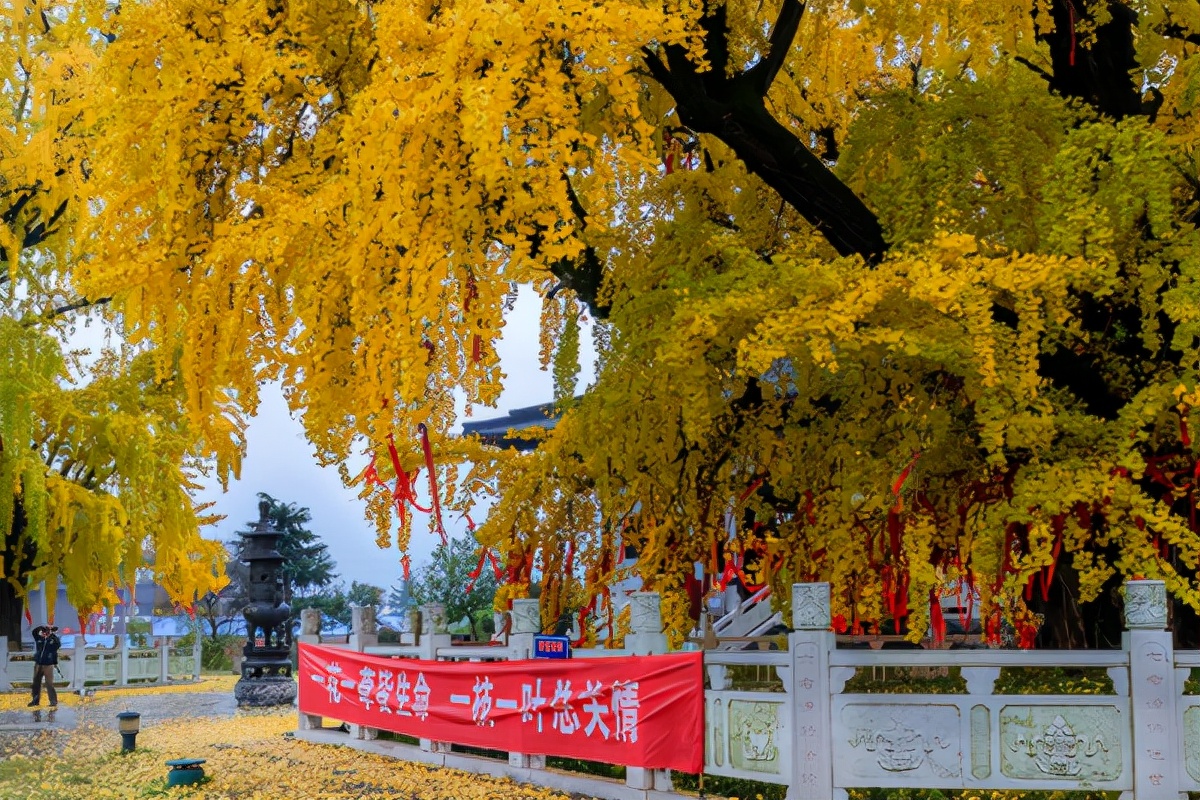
(937, 622)
(406, 565)
(435, 503)
(28, 616)
(1071, 24)
(902, 478)
(485, 554)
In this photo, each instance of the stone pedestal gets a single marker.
(267, 691)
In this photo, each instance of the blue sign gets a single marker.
(551, 647)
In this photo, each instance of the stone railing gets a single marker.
(432, 641)
(807, 733)
(121, 665)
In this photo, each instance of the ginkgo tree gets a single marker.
(906, 288)
(97, 458)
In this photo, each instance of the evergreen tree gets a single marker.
(446, 578)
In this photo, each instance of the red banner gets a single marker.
(640, 711)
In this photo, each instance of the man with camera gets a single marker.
(45, 659)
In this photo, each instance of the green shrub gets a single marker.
(216, 655)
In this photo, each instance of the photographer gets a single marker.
(45, 658)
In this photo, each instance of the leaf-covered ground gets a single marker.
(250, 756)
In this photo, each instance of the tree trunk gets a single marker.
(12, 609)
(18, 559)
(1071, 625)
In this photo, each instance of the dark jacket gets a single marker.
(45, 651)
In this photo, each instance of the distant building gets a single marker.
(148, 597)
(496, 431)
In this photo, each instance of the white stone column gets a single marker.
(123, 661)
(809, 645)
(197, 653)
(526, 616)
(310, 633)
(646, 638)
(434, 635)
(164, 665)
(1152, 693)
(646, 625)
(363, 634)
(363, 631)
(526, 623)
(79, 665)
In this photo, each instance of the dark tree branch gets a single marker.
(584, 274)
(1175, 31)
(782, 35)
(1041, 73)
(78, 304)
(733, 109)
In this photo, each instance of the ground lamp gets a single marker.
(185, 771)
(129, 723)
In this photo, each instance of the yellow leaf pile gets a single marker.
(250, 756)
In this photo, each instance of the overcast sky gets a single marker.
(279, 461)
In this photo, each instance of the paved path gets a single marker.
(103, 707)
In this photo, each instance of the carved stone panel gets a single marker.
(1191, 741)
(1146, 605)
(810, 606)
(526, 616)
(1068, 743)
(754, 736)
(897, 741)
(716, 743)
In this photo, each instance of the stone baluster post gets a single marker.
(363, 631)
(646, 638)
(78, 665)
(5, 680)
(310, 633)
(500, 622)
(164, 660)
(197, 653)
(123, 661)
(363, 634)
(413, 619)
(526, 622)
(434, 635)
(809, 645)
(1152, 692)
(646, 635)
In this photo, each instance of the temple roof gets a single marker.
(495, 431)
